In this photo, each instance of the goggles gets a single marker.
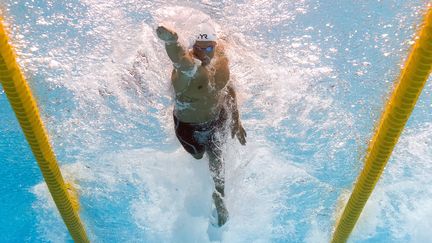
(206, 49)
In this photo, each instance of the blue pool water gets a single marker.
(312, 77)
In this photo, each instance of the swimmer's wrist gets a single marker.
(171, 42)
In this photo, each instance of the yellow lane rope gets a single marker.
(25, 108)
(397, 111)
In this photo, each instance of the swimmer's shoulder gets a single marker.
(221, 52)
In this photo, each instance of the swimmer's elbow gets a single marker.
(223, 80)
(184, 63)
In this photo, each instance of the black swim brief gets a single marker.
(197, 137)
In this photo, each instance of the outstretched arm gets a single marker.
(236, 125)
(179, 56)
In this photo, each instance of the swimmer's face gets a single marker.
(204, 51)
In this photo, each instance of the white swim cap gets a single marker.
(206, 32)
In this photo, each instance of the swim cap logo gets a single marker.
(202, 36)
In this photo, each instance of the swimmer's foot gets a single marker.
(198, 156)
(221, 210)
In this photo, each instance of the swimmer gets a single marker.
(205, 102)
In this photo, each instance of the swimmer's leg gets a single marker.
(217, 170)
(186, 135)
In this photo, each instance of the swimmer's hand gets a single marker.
(238, 130)
(166, 34)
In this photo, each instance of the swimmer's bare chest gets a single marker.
(194, 90)
(197, 98)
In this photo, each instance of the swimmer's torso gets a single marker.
(198, 98)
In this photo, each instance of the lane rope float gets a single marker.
(25, 108)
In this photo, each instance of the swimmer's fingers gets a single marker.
(165, 34)
(241, 135)
(238, 131)
(160, 32)
(234, 129)
(233, 133)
